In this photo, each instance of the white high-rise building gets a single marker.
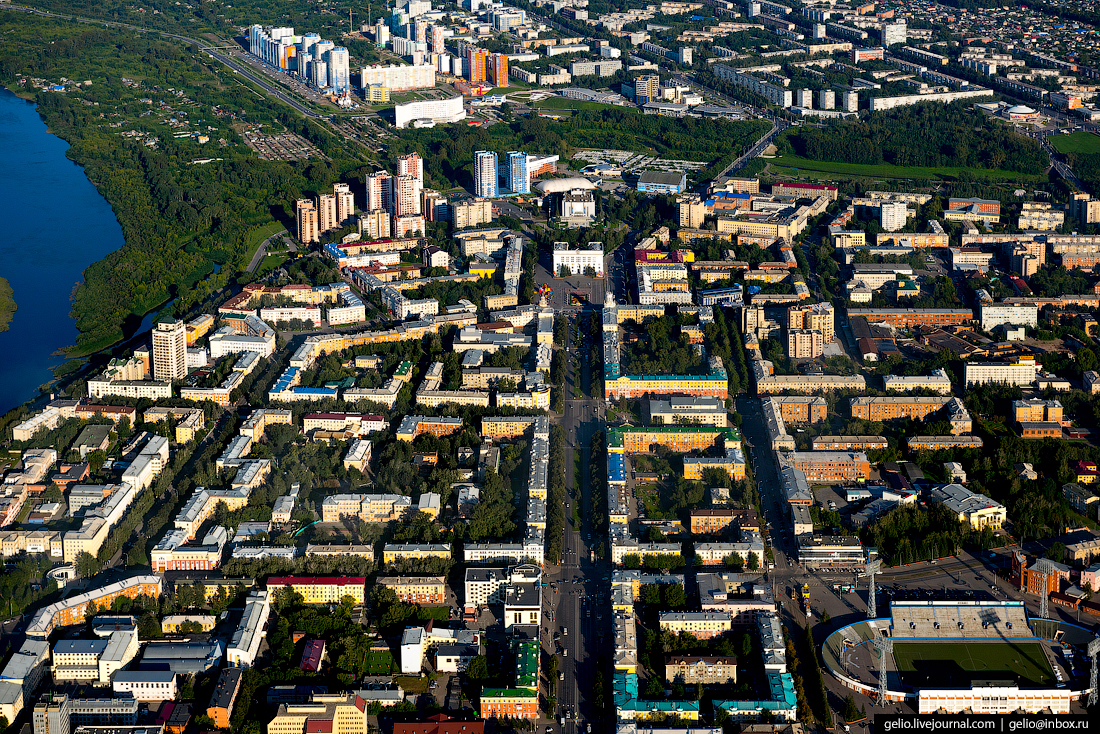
(345, 202)
(379, 191)
(318, 74)
(826, 99)
(326, 212)
(485, 173)
(339, 69)
(170, 351)
(893, 215)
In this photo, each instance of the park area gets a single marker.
(794, 166)
(1081, 142)
(956, 664)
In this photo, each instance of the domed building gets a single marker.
(1020, 112)
(562, 185)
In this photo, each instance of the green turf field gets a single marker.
(794, 165)
(956, 664)
(1076, 143)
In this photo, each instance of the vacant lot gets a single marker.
(955, 664)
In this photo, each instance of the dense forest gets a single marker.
(184, 225)
(921, 135)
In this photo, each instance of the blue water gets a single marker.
(56, 225)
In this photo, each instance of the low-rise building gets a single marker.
(702, 625)
(322, 589)
(977, 510)
(700, 669)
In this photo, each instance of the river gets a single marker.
(57, 225)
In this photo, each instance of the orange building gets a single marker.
(892, 408)
(517, 703)
(830, 466)
(224, 698)
(849, 443)
(477, 60)
(908, 317)
(705, 522)
(1030, 578)
(801, 408)
(1040, 429)
(498, 69)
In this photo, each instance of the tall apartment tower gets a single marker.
(647, 88)
(826, 99)
(326, 212)
(893, 215)
(170, 351)
(851, 102)
(345, 202)
(498, 72)
(379, 191)
(485, 173)
(307, 221)
(411, 165)
(406, 195)
(514, 171)
(476, 62)
(339, 70)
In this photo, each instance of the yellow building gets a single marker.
(392, 552)
(417, 589)
(199, 327)
(1037, 410)
(331, 713)
(702, 625)
(171, 624)
(495, 427)
(322, 589)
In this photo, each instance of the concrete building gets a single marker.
(322, 589)
(1021, 373)
(578, 260)
(429, 113)
(977, 510)
(170, 351)
(1009, 314)
(702, 625)
(829, 466)
(680, 410)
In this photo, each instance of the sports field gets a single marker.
(790, 165)
(1081, 142)
(956, 664)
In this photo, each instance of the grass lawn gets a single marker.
(270, 263)
(1081, 142)
(956, 664)
(257, 235)
(412, 684)
(380, 663)
(793, 165)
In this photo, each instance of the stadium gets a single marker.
(964, 657)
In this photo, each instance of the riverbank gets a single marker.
(7, 304)
(157, 138)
